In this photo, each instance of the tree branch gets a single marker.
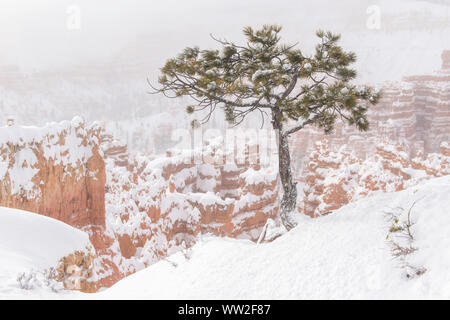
(301, 125)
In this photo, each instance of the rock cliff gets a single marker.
(157, 206)
(57, 171)
(414, 112)
(334, 177)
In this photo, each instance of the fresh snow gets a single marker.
(33, 243)
(339, 256)
(21, 162)
(264, 175)
(344, 255)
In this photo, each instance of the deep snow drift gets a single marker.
(31, 244)
(343, 255)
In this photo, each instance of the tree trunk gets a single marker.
(288, 203)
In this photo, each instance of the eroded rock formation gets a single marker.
(333, 178)
(157, 206)
(57, 171)
(414, 112)
(77, 271)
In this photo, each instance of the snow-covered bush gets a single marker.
(35, 279)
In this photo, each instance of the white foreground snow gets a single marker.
(340, 256)
(344, 255)
(33, 243)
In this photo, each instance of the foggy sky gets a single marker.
(33, 33)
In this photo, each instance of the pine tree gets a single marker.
(275, 80)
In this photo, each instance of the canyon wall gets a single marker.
(333, 177)
(135, 209)
(407, 141)
(57, 171)
(414, 112)
(161, 205)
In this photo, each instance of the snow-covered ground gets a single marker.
(345, 255)
(32, 244)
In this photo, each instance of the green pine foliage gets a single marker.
(266, 75)
(276, 80)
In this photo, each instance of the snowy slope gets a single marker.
(342, 255)
(32, 242)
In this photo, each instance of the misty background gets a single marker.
(63, 58)
(34, 34)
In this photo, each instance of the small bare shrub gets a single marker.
(401, 239)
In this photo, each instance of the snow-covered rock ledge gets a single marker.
(40, 256)
(42, 168)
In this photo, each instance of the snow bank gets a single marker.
(339, 256)
(29, 241)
